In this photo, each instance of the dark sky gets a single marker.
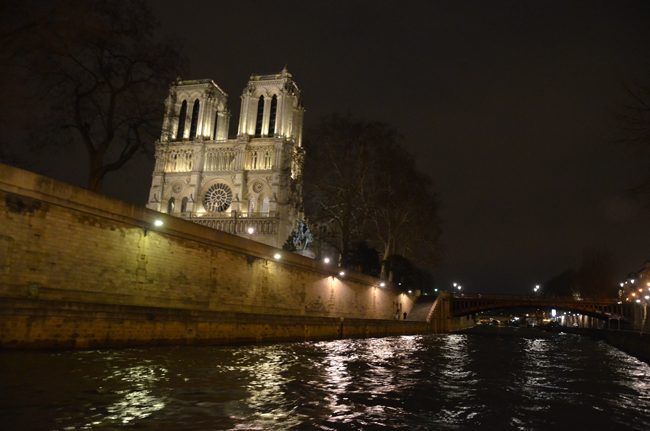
(510, 106)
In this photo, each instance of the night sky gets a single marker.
(510, 106)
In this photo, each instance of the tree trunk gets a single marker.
(96, 172)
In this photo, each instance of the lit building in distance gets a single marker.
(251, 183)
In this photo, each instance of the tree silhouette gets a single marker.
(361, 185)
(102, 70)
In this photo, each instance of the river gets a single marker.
(450, 381)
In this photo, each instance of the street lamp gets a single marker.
(536, 288)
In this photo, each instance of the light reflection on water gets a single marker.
(450, 381)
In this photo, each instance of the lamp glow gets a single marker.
(158, 223)
(326, 260)
(250, 230)
(342, 273)
(277, 256)
(382, 284)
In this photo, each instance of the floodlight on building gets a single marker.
(277, 256)
(250, 230)
(156, 223)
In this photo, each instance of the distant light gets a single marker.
(640, 290)
(622, 284)
(251, 230)
(382, 284)
(410, 291)
(646, 297)
(158, 223)
(460, 287)
(342, 273)
(277, 256)
(632, 281)
(633, 293)
(553, 312)
(648, 284)
(435, 290)
(638, 301)
(326, 260)
(399, 284)
(455, 284)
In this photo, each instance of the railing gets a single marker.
(262, 225)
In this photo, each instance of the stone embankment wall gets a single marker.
(79, 269)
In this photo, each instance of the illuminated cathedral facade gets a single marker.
(249, 185)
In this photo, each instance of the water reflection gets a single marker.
(457, 381)
(268, 403)
(420, 382)
(138, 400)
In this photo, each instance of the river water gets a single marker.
(452, 381)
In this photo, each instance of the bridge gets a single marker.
(600, 308)
(449, 311)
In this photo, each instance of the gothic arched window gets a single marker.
(170, 205)
(214, 130)
(195, 119)
(265, 206)
(184, 204)
(267, 160)
(274, 108)
(181, 121)
(260, 117)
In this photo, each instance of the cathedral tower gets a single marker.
(247, 184)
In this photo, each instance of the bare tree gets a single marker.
(361, 185)
(402, 208)
(636, 128)
(104, 72)
(336, 168)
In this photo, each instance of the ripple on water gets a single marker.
(450, 381)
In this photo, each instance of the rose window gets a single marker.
(218, 198)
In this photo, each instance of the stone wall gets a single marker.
(61, 245)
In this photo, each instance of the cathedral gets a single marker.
(249, 185)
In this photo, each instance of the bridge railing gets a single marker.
(479, 296)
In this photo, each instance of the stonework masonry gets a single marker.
(78, 269)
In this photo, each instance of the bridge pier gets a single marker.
(442, 319)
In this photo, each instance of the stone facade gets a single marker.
(250, 185)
